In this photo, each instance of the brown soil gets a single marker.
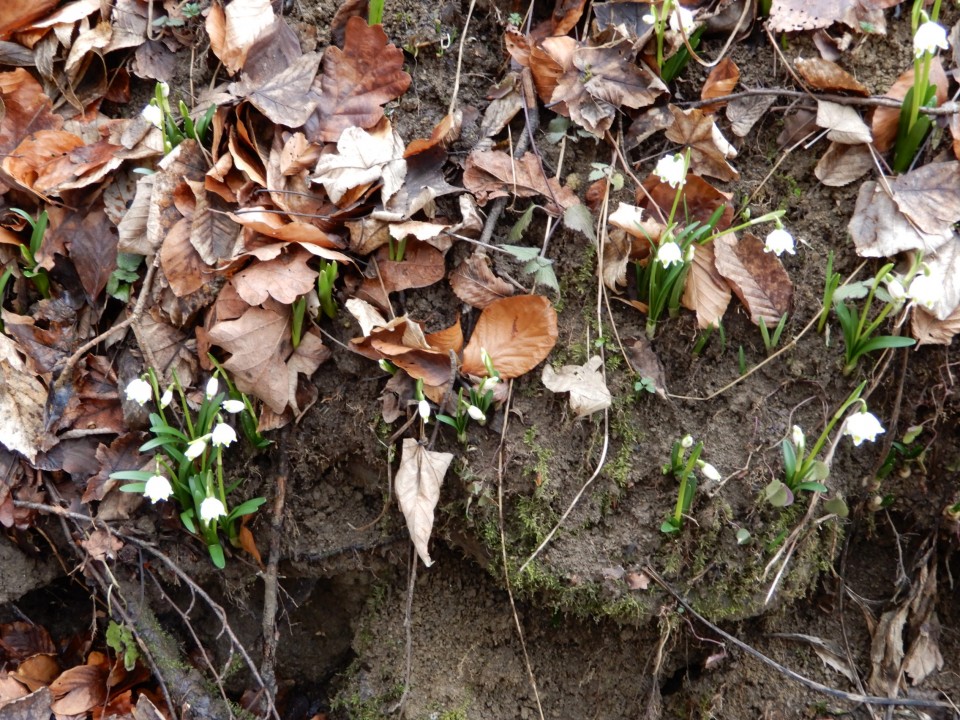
(598, 648)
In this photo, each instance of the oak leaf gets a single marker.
(585, 383)
(287, 98)
(517, 332)
(709, 150)
(284, 278)
(357, 81)
(418, 482)
(757, 277)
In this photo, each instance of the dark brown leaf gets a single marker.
(757, 277)
(492, 173)
(122, 454)
(474, 282)
(709, 150)
(93, 248)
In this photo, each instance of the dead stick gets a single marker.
(270, 635)
(950, 108)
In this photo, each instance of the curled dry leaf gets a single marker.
(709, 150)
(828, 76)
(721, 81)
(616, 257)
(418, 482)
(879, 229)
(757, 277)
(842, 164)
(706, 292)
(363, 158)
(402, 342)
(930, 196)
(474, 282)
(492, 173)
(886, 120)
(517, 332)
(79, 689)
(233, 30)
(842, 123)
(357, 81)
(588, 391)
(928, 330)
(27, 108)
(284, 278)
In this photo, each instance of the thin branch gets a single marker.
(950, 108)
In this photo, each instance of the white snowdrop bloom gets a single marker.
(686, 441)
(671, 170)
(895, 288)
(211, 509)
(164, 89)
(476, 413)
(651, 17)
(710, 472)
(669, 253)
(488, 384)
(233, 406)
(157, 488)
(423, 407)
(222, 435)
(195, 448)
(929, 37)
(682, 18)
(153, 115)
(166, 398)
(862, 426)
(779, 241)
(925, 291)
(213, 387)
(139, 391)
(796, 436)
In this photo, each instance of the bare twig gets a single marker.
(270, 635)
(950, 108)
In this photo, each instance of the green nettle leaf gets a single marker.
(542, 271)
(578, 217)
(521, 225)
(523, 254)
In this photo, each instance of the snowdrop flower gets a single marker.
(233, 406)
(222, 435)
(488, 384)
(682, 18)
(797, 437)
(778, 242)
(925, 291)
(929, 37)
(211, 509)
(195, 448)
(862, 426)
(157, 488)
(476, 413)
(686, 442)
(139, 391)
(895, 288)
(164, 89)
(213, 387)
(423, 407)
(651, 17)
(669, 253)
(153, 115)
(671, 170)
(166, 398)
(710, 472)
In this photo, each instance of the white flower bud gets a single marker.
(138, 390)
(213, 387)
(476, 413)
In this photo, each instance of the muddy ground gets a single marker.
(603, 639)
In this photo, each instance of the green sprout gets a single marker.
(328, 275)
(475, 405)
(159, 114)
(683, 466)
(28, 253)
(375, 12)
(771, 340)
(189, 458)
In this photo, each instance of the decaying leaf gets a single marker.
(492, 173)
(721, 81)
(22, 398)
(233, 30)
(616, 258)
(706, 291)
(284, 278)
(418, 482)
(474, 282)
(842, 123)
(102, 545)
(517, 332)
(757, 277)
(357, 81)
(287, 98)
(402, 342)
(743, 113)
(645, 363)
(79, 689)
(929, 331)
(943, 267)
(585, 383)
(879, 229)
(709, 150)
(422, 266)
(828, 651)
(829, 77)
(842, 164)
(362, 159)
(794, 15)
(930, 196)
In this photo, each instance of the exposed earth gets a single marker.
(592, 625)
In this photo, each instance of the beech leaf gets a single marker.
(930, 196)
(706, 292)
(842, 123)
(418, 482)
(517, 332)
(879, 229)
(474, 282)
(588, 391)
(757, 277)
(842, 164)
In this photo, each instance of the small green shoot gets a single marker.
(375, 12)
(644, 385)
(741, 361)
(771, 340)
(298, 311)
(28, 252)
(329, 270)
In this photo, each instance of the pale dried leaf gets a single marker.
(842, 164)
(943, 267)
(757, 277)
(924, 657)
(365, 314)
(362, 159)
(474, 282)
(930, 196)
(794, 15)
(284, 279)
(287, 98)
(743, 113)
(234, 30)
(827, 651)
(418, 482)
(706, 292)
(842, 122)
(929, 331)
(585, 383)
(79, 690)
(616, 256)
(879, 229)
(22, 399)
(709, 150)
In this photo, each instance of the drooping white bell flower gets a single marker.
(222, 435)
(929, 37)
(211, 509)
(233, 406)
(157, 488)
(138, 390)
(779, 241)
(862, 426)
(669, 253)
(672, 170)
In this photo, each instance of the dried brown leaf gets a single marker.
(418, 482)
(930, 196)
(362, 159)
(706, 292)
(182, 265)
(757, 277)
(286, 98)
(102, 545)
(928, 330)
(285, 279)
(585, 383)
(492, 173)
(842, 164)
(743, 113)
(37, 671)
(475, 284)
(709, 150)
(842, 123)
(645, 363)
(879, 229)
(794, 15)
(721, 81)
(79, 689)
(517, 332)
(122, 454)
(422, 266)
(616, 256)
(233, 30)
(27, 108)
(828, 76)
(18, 14)
(357, 81)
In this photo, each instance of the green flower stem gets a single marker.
(684, 495)
(806, 463)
